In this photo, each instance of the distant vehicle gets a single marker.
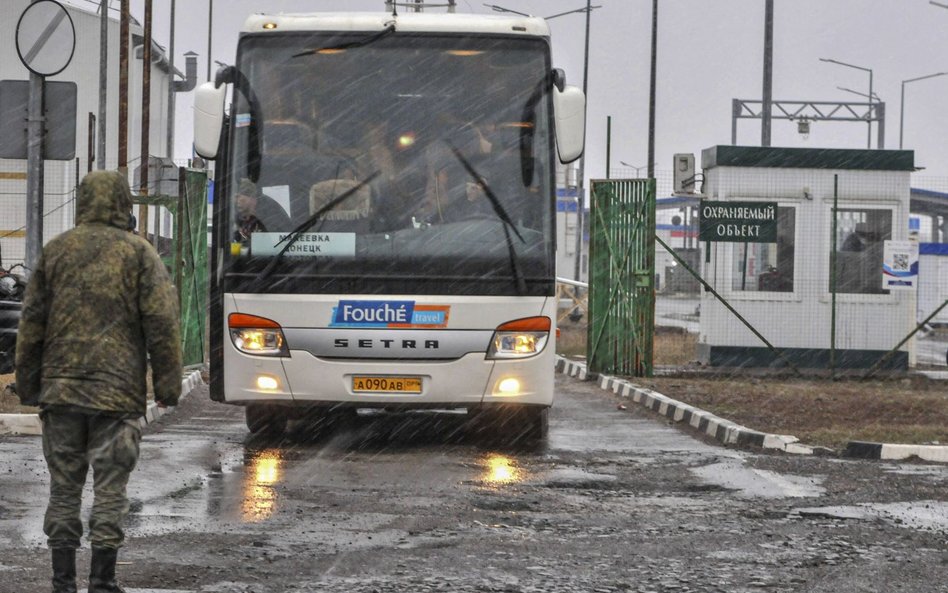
(414, 158)
(12, 289)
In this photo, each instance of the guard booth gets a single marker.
(782, 281)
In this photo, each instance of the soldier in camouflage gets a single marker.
(98, 305)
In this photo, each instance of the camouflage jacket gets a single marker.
(98, 304)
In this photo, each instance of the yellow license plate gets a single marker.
(386, 384)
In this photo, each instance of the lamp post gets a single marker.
(902, 102)
(864, 69)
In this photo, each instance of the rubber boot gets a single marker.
(64, 570)
(102, 573)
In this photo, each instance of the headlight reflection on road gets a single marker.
(501, 470)
(259, 495)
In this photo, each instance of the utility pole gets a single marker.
(210, 33)
(146, 121)
(582, 161)
(103, 81)
(171, 83)
(651, 93)
(123, 89)
(768, 94)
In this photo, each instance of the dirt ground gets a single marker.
(817, 411)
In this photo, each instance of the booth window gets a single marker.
(860, 237)
(767, 267)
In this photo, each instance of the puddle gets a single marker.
(756, 483)
(569, 477)
(923, 514)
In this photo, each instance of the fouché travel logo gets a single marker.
(389, 314)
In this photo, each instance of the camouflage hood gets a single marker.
(104, 197)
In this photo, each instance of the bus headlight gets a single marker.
(519, 339)
(257, 335)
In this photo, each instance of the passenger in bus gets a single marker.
(452, 194)
(257, 213)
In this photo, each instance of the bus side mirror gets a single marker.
(208, 119)
(569, 111)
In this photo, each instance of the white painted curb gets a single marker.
(730, 433)
(30, 424)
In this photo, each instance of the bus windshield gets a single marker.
(404, 163)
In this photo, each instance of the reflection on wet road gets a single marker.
(501, 470)
(259, 486)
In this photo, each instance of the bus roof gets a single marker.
(408, 22)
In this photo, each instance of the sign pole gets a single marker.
(45, 43)
(34, 174)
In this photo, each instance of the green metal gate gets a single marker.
(186, 256)
(621, 277)
(191, 273)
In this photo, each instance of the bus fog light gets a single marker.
(509, 386)
(267, 383)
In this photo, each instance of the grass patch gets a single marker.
(671, 346)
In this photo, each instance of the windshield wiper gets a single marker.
(294, 235)
(502, 215)
(388, 30)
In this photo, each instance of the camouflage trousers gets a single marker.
(71, 443)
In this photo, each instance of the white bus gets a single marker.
(383, 217)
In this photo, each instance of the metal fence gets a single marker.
(812, 296)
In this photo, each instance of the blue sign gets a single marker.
(388, 314)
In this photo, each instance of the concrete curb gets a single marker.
(30, 424)
(864, 450)
(729, 433)
(722, 430)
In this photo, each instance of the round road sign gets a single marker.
(45, 38)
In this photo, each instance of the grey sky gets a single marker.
(709, 52)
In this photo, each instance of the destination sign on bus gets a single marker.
(738, 222)
(307, 245)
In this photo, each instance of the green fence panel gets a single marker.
(185, 255)
(621, 277)
(192, 278)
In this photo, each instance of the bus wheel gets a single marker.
(538, 421)
(265, 420)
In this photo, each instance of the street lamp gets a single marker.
(869, 70)
(875, 96)
(637, 169)
(497, 8)
(902, 103)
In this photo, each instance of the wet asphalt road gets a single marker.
(616, 500)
